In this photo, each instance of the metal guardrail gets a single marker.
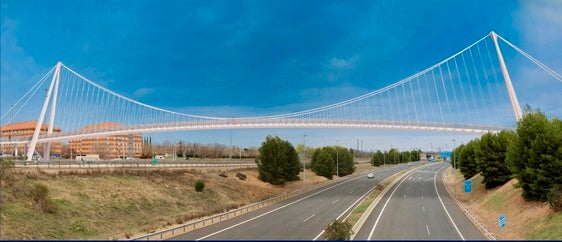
(183, 228)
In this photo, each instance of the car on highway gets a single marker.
(370, 176)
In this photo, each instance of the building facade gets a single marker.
(25, 130)
(107, 147)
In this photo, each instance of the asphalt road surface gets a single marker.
(418, 207)
(300, 218)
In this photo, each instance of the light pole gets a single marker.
(12, 129)
(454, 171)
(303, 162)
(337, 159)
(454, 156)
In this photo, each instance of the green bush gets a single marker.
(338, 230)
(199, 185)
(278, 161)
(40, 195)
(554, 197)
(5, 169)
(535, 155)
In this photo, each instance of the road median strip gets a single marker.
(373, 198)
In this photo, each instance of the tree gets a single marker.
(377, 159)
(344, 159)
(278, 161)
(535, 156)
(466, 160)
(179, 152)
(393, 156)
(490, 158)
(323, 163)
(328, 161)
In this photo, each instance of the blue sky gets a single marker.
(251, 58)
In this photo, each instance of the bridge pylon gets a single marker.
(53, 91)
(511, 92)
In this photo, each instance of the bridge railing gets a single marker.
(72, 165)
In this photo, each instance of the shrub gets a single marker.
(241, 176)
(40, 194)
(6, 167)
(278, 161)
(554, 197)
(199, 185)
(338, 230)
(534, 156)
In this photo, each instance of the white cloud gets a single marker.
(540, 25)
(343, 63)
(141, 92)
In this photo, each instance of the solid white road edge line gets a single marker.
(442, 204)
(286, 205)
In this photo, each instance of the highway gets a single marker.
(300, 218)
(418, 207)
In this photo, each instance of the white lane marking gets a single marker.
(404, 196)
(274, 210)
(304, 221)
(442, 204)
(289, 204)
(423, 208)
(427, 227)
(422, 197)
(384, 207)
(335, 201)
(351, 206)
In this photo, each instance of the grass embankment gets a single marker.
(122, 204)
(524, 220)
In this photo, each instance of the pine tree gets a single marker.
(278, 161)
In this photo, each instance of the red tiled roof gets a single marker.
(25, 126)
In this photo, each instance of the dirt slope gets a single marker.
(524, 220)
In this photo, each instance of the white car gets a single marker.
(370, 176)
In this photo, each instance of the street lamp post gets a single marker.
(303, 162)
(454, 156)
(337, 159)
(454, 170)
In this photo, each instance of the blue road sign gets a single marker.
(467, 186)
(445, 154)
(501, 219)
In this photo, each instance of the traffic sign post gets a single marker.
(501, 220)
(467, 186)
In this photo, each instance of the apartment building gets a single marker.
(25, 130)
(108, 147)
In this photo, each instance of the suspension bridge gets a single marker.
(468, 92)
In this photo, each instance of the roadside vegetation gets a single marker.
(329, 161)
(532, 154)
(393, 156)
(520, 176)
(121, 204)
(278, 161)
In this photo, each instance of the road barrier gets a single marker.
(183, 228)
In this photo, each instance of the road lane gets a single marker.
(418, 207)
(299, 218)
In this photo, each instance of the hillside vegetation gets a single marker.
(525, 220)
(122, 204)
